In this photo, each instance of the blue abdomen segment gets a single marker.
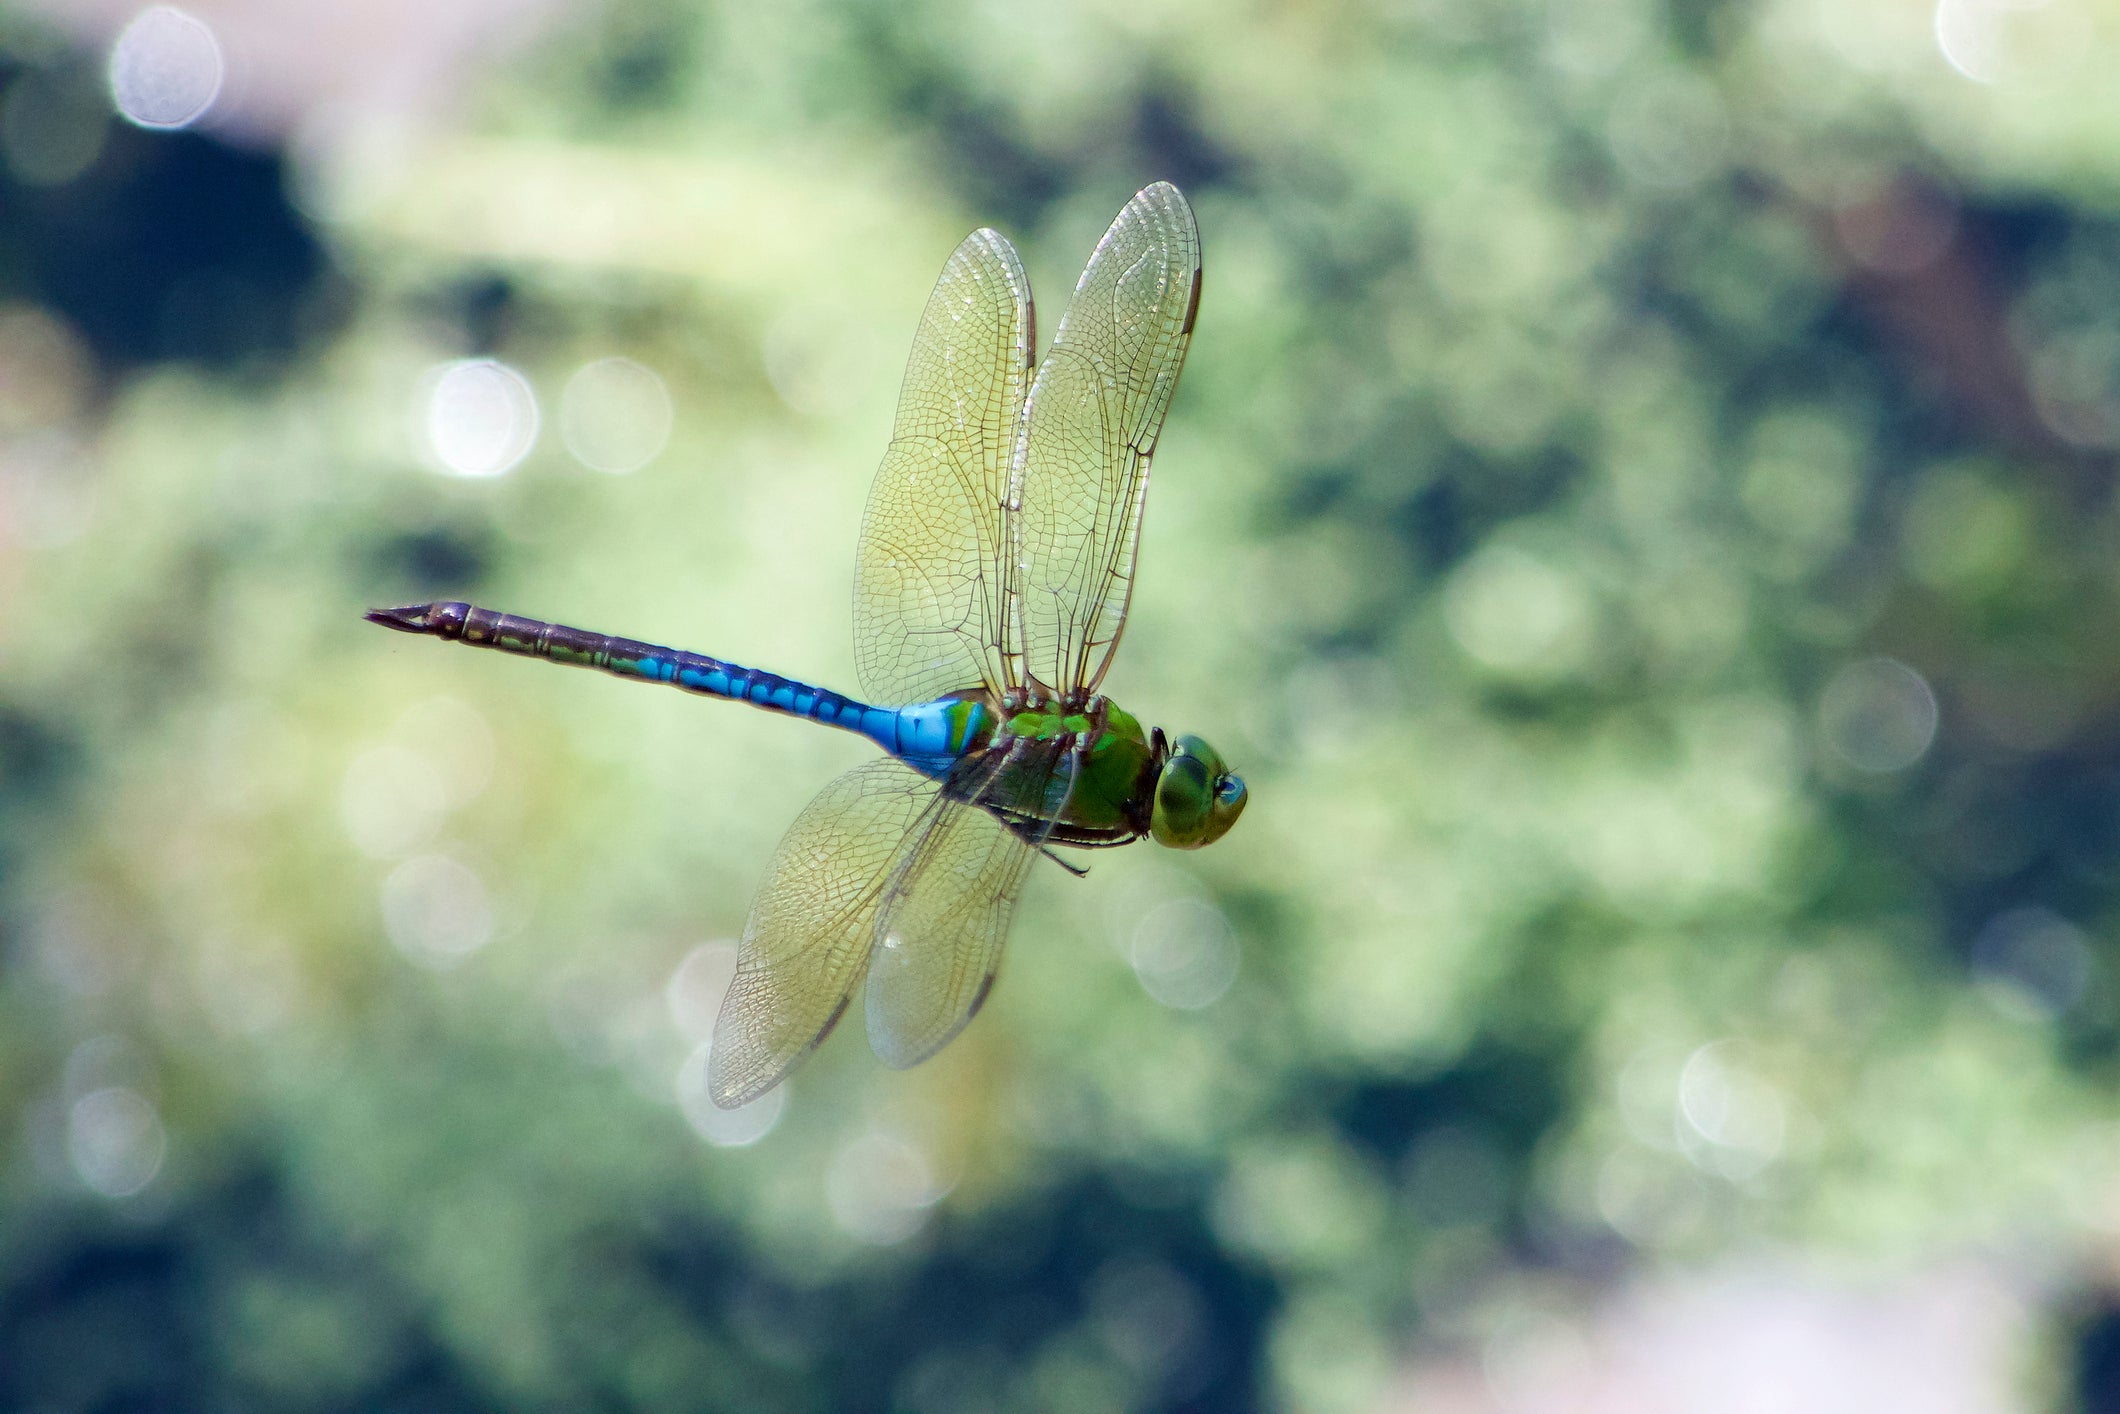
(930, 736)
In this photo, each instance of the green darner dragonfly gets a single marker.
(991, 585)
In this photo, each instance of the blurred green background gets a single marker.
(1640, 513)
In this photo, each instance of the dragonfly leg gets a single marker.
(1080, 871)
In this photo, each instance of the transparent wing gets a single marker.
(930, 591)
(1090, 431)
(946, 913)
(808, 937)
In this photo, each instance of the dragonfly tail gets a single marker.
(459, 622)
(411, 618)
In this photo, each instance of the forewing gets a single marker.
(808, 937)
(930, 592)
(945, 915)
(1089, 434)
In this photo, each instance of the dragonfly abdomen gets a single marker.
(649, 662)
(932, 737)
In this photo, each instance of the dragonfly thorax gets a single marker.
(1098, 776)
(1124, 781)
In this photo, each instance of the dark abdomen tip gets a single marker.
(443, 620)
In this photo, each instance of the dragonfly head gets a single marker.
(1197, 796)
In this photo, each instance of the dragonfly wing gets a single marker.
(1089, 434)
(808, 937)
(946, 913)
(930, 591)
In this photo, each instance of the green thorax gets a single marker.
(1116, 780)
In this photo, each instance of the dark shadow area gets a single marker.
(170, 246)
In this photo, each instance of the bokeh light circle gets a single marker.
(390, 802)
(115, 1141)
(1514, 613)
(880, 1186)
(165, 69)
(615, 415)
(728, 1129)
(481, 417)
(436, 910)
(697, 986)
(1969, 35)
(1185, 954)
(1878, 715)
(1732, 1122)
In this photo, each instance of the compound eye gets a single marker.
(1184, 798)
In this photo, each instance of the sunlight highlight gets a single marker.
(1878, 715)
(1741, 1117)
(437, 910)
(1185, 954)
(390, 802)
(481, 417)
(615, 415)
(165, 69)
(115, 1141)
(726, 1129)
(880, 1187)
(694, 995)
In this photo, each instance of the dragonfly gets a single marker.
(992, 580)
